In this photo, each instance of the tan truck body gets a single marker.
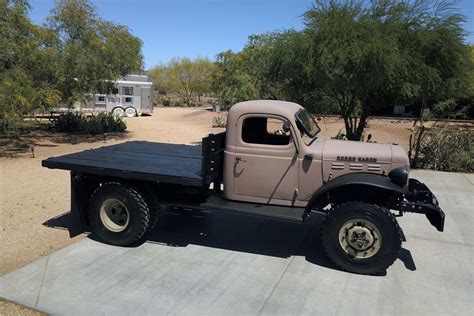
(290, 174)
(270, 162)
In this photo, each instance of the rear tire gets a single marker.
(118, 214)
(153, 203)
(361, 238)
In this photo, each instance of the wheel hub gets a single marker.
(114, 215)
(360, 238)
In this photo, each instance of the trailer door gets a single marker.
(147, 105)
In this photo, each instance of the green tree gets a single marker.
(91, 51)
(231, 81)
(354, 57)
(27, 66)
(365, 55)
(186, 78)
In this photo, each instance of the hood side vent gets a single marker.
(355, 166)
(337, 166)
(372, 167)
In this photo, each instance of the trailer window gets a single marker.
(127, 90)
(100, 98)
(265, 131)
(127, 100)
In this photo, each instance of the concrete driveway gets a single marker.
(226, 264)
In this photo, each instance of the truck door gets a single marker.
(265, 166)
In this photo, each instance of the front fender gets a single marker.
(362, 186)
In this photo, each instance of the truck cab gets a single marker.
(274, 155)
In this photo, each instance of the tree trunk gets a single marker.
(355, 129)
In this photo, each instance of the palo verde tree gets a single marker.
(27, 66)
(92, 51)
(366, 55)
(185, 78)
(231, 80)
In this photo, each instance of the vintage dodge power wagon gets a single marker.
(269, 162)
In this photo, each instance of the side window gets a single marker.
(100, 98)
(265, 131)
(127, 90)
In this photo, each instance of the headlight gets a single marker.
(399, 176)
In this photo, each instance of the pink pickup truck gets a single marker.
(270, 162)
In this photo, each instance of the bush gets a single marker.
(219, 121)
(78, 123)
(70, 123)
(166, 102)
(448, 150)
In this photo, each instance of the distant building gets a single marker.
(399, 109)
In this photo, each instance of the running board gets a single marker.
(217, 204)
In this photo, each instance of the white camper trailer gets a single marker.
(132, 95)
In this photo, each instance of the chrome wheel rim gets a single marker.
(360, 238)
(118, 112)
(114, 215)
(130, 112)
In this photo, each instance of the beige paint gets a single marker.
(286, 175)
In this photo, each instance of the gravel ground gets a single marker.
(8, 308)
(31, 195)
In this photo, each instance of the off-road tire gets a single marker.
(139, 214)
(153, 203)
(383, 220)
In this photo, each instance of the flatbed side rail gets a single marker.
(213, 147)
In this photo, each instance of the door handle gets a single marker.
(238, 159)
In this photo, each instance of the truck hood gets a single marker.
(339, 157)
(359, 152)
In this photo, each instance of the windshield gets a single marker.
(307, 123)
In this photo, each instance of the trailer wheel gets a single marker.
(119, 215)
(361, 238)
(118, 112)
(130, 112)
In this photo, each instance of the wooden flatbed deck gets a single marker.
(170, 163)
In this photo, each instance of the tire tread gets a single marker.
(142, 208)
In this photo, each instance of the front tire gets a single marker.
(361, 238)
(118, 214)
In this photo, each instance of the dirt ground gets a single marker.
(8, 308)
(31, 195)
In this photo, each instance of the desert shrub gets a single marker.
(110, 123)
(78, 123)
(70, 123)
(448, 150)
(166, 102)
(219, 121)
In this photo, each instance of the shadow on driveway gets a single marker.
(239, 232)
